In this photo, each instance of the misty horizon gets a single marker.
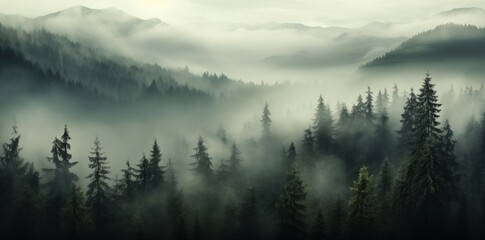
(242, 119)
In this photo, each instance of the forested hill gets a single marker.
(113, 75)
(449, 43)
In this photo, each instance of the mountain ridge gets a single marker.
(447, 42)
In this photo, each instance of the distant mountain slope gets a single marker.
(444, 44)
(110, 73)
(463, 11)
(110, 19)
(21, 79)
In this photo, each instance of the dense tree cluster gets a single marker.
(412, 182)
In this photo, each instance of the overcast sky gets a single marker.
(346, 13)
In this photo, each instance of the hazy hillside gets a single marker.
(101, 69)
(445, 44)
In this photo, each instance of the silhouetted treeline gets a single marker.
(418, 181)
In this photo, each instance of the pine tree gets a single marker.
(322, 126)
(155, 170)
(395, 97)
(385, 99)
(76, 222)
(221, 134)
(430, 183)
(266, 122)
(384, 189)
(98, 194)
(127, 186)
(369, 107)
(448, 158)
(383, 140)
(19, 191)
(202, 164)
(63, 180)
(142, 174)
(235, 160)
(291, 157)
(363, 210)
(318, 227)
(344, 118)
(380, 108)
(307, 146)
(358, 110)
(408, 120)
(291, 206)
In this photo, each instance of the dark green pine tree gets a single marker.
(395, 97)
(291, 157)
(408, 120)
(19, 188)
(235, 160)
(358, 110)
(363, 208)
(155, 170)
(322, 127)
(99, 192)
(317, 231)
(63, 180)
(307, 147)
(142, 173)
(383, 141)
(430, 183)
(384, 190)
(266, 122)
(202, 165)
(448, 152)
(385, 99)
(248, 217)
(76, 222)
(127, 185)
(380, 103)
(369, 106)
(123, 207)
(344, 119)
(292, 207)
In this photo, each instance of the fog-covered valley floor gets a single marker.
(122, 126)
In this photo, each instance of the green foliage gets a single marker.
(63, 180)
(19, 191)
(143, 177)
(408, 120)
(99, 192)
(75, 218)
(323, 127)
(308, 148)
(202, 165)
(266, 122)
(155, 170)
(429, 183)
(235, 160)
(292, 206)
(369, 106)
(363, 206)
